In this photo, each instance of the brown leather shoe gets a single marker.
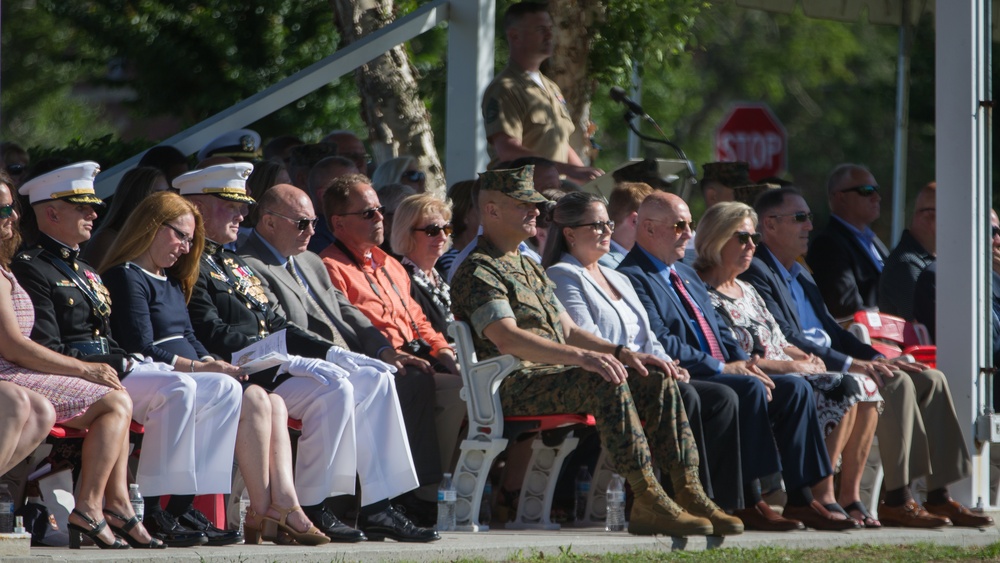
(959, 515)
(816, 516)
(760, 517)
(910, 515)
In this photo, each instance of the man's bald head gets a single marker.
(283, 209)
(664, 226)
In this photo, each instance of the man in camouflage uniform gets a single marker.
(512, 309)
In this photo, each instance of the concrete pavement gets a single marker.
(504, 544)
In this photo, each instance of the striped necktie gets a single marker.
(706, 329)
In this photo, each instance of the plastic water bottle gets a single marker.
(582, 492)
(6, 510)
(615, 500)
(486, 507)
(244, 506)
(138, 505)
(446, 505)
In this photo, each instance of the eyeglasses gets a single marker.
(435, 230)
(745, 237)
(367, 214)
(6, 211)
(679, 226)
(181, 235)
(994, 231)
(863, 191)
(413, 176)
(800, 217)
(300, 224)
(16, 169)
(600, 226)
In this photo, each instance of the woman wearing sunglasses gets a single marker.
(150, 272)
(847, 404)
(400, 170)
(421, 233)
(603, 301)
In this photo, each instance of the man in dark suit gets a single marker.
(913, 393)
(777, 414)
(276, 247)
(846, 258)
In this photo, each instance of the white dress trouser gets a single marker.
(353, 426)
(190, 430)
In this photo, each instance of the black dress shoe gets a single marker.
(195, 520)
(390, 523)
(420, 512)
(334, 529)
(163, 526)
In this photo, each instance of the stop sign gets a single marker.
(751, 133)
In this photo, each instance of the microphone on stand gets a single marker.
(618, 95)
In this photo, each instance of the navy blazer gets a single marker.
(848, 279)
(669, 319)
(763, 274)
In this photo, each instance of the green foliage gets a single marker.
(106, 151)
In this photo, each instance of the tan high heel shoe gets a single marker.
(252, 531)
(283, 532)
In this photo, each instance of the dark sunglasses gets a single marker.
(435, 230)
(16, 169)
(800, 217)
(413, 176)
(600, 226)
(300, 224)
(745, 237)
(6, 211)
(863, 191)
(994, 231)
(181, 235)
(368, 214)
(681, 226)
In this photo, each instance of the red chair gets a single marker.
(892, 336)
(213, 506)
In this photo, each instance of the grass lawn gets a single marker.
(921, 552)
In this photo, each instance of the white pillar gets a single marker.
(470, 69)
(963, 328)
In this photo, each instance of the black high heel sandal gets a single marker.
(125, 529)
(95, 528)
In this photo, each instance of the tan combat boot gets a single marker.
(690, 495)
(654, 513)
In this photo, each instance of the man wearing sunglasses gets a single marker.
(847, 257)
(379, 285)
(779, 428)
(346, 401)
(919, 434)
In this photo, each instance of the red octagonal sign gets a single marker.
(751, 133)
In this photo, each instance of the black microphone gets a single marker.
(618, 95)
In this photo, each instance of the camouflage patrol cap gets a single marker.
(517, 183)
(729, 174)
(748, 194)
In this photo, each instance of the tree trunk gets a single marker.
(574, 21)
(398, 122)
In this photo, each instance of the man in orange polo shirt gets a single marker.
(379, 286)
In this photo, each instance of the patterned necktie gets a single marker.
(706, 330)
(337, 339)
